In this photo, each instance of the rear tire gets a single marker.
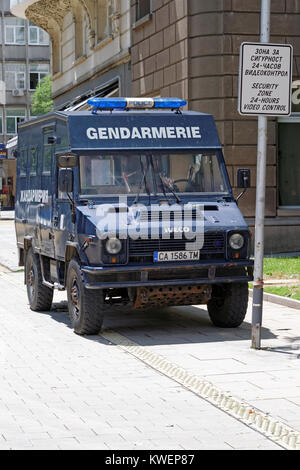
(40, 297)
(86, 309)
(227, 307)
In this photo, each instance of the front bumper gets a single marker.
(172, 274)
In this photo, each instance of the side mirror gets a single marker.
(67, 160)
(243, 178)
(65, 180)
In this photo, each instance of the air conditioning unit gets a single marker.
(18, 92)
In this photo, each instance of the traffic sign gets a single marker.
(265, 77)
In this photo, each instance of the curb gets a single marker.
(278, 299)
(7, 215)
(12, 269)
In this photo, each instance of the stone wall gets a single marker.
(217, 29)
(190, 49)
(159, 53)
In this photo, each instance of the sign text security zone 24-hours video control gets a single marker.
(265, 79)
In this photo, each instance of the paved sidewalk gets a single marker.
(8, 244)
(61, 391)
(267, 379)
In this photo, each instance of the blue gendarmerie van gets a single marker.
(130, 205)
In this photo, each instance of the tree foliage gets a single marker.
(41, 99)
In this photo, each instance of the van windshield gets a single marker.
(152, 174)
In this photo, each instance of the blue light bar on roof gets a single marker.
(135, 103)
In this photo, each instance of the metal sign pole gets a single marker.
(260, 199)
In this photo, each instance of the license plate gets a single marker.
(161, 256)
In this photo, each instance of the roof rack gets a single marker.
(104, 104)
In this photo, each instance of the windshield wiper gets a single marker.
(143, 181)
(165, 185)
(174, 193)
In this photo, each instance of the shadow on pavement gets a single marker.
(173, 325)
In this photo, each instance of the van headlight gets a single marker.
(236, 241)
(113, 246)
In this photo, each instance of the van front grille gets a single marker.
(173, 214)
(214, 243)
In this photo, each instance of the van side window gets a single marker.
(33, 160)
(60, 195)
(48, 151)
(23, 162)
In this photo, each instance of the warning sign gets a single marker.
(265, 79)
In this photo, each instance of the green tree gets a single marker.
(41, 99)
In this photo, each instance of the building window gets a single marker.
(142, 8)
(289, 162)
(36, 74)
(56, 56)
(78, 14)
(33, 160)
(2, 91)
(104, 19)
(15, 76)
(37, 36)
(1, 121)
(81, 103)
(84, 35)
(23, 161)
(13, 118)
(48, 149)
(296, 96)
(14, 31)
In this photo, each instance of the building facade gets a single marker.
(90, 46)
(188, 49)
(24, 61)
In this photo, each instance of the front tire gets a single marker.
(227, 307)
(40, 297)
(85, 306)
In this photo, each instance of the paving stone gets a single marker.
(60, 390)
